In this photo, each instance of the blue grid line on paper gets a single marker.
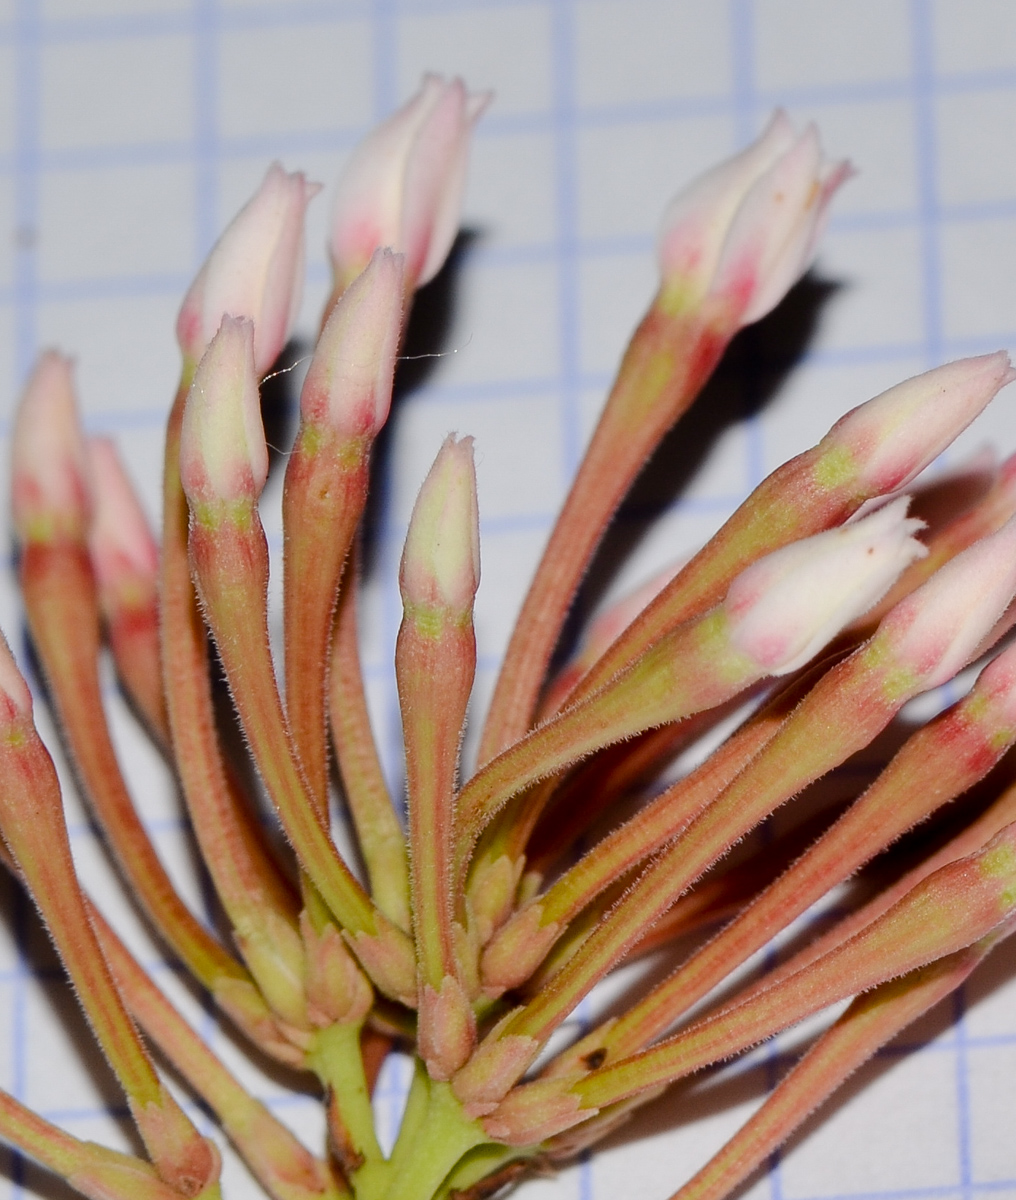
(927, 162)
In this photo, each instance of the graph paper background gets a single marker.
(130, 130)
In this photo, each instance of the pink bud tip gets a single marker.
(349, 383)
(941, 626)
(51, 487)
(120, 540)
(784, 608)
(747, 230)
(223, 455)
(254, 270)
(403, 185)
(15, 698)
(893, 437)
(441, 559)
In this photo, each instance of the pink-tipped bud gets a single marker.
(784, 608)
(747, 230)
(223, 455)
(51, 486)
(15, 698)
(441, 559)
(349, 384)
(403, 185)
(254, 270)
(890, 439)
(120, 540)
(940, 628)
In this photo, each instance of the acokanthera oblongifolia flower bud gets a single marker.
(120, 541)
(940, 627)
(51, 486)
(784, 608)
(403, 185)
(747, 230)
(441, 559)
(890, 439)
(254, 270)
(349, 384)
(223, 455)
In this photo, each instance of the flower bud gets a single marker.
(349, 383)
(254, 270)
(890, 439)
(223, 455)
(940, 627)
(747, 230)
(441, 559)
(51, 486)
(120, 541)
(403, 185)
(784, 608)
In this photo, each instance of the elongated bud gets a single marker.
(254, 270)
(746, 231)
(120, 540)
(940, 627)
(349, 384)
(51, 485)
(403, 185)
(890, 439)
(784, 608)
(223, 456)
(441, 560)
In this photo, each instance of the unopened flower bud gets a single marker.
(223, 455)
(403, 185)
(51, 487)
(747, 230)
(890, 439)
(784, 608)
(254, 270)
(120, 541)
(940, 627)
(441, 559)
(349, 384)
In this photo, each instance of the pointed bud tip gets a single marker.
(254, 270)
(938, 629)
(787, 606)
(403, 184)
(120, 540)
(50, 476)
(223, 454)
(349, 383)
(441, 560)
(893, 437)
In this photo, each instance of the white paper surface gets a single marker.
(130, 131)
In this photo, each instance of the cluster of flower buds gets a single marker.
(828, 598)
